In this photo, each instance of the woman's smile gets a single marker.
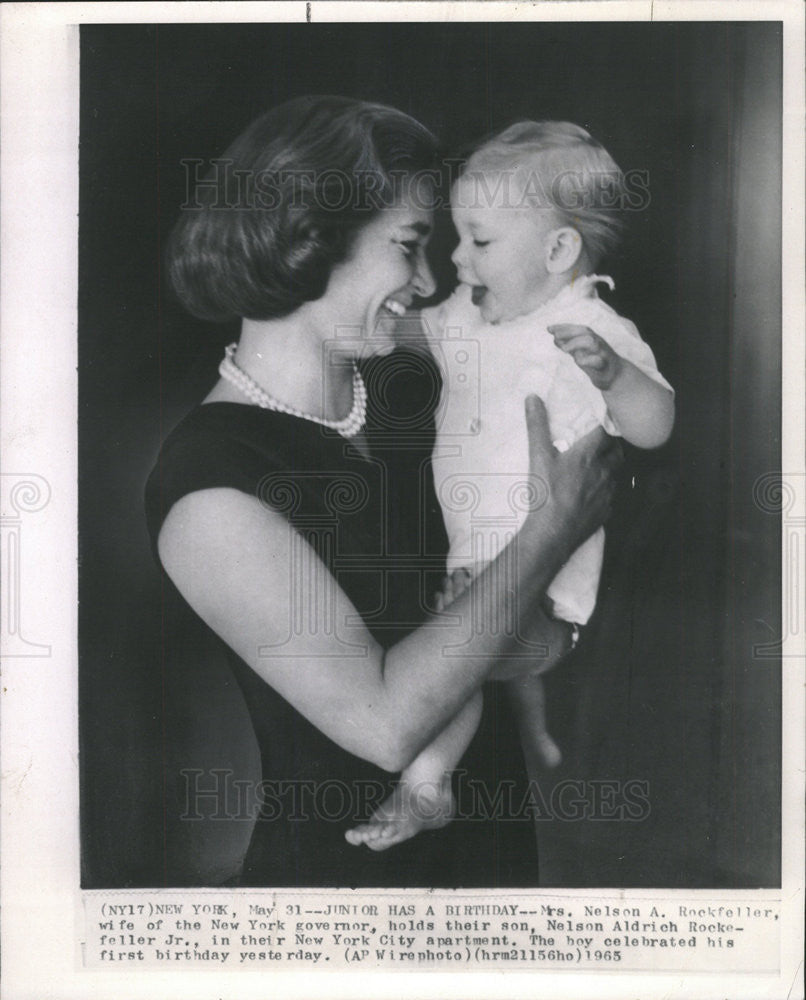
(385, 272)
(395, 307)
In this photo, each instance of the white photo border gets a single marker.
(41, 912)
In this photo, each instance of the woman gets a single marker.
(291, 519)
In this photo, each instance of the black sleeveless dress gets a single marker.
(377, 526)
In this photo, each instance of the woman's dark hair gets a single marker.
(260, 235)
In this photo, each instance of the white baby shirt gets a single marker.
(481, 455)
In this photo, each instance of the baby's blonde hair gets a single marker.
(558, 164)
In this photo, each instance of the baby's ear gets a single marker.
(563, 248)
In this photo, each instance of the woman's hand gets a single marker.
(573, 490)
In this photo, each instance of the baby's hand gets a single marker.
(593, 355)
(452, 587)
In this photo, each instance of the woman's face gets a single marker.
(385, 271)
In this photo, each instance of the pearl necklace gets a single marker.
(348, 427)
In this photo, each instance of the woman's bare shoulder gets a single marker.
(217, 527)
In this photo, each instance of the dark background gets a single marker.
(667, 688)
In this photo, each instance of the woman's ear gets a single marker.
(563, 248)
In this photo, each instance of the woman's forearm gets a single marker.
(429, 675)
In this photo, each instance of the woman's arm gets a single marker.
(260, 587)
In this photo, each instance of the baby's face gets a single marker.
(502, 246)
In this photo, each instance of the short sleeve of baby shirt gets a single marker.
(621, 334)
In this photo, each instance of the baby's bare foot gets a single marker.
(407, 811)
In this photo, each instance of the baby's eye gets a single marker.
(409, 247)
(480, 243)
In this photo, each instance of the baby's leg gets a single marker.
(423, 799)
(528, 696)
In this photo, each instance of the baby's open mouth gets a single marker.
(477, 293)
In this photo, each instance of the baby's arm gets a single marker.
(641, 408)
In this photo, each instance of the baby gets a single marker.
(536, 208)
